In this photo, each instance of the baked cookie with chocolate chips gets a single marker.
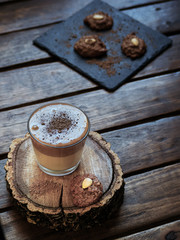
(99, 21)
(85, 190)
(133, 46)
(90, 46)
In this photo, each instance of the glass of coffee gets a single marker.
(58, 132)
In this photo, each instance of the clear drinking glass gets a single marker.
(58, 152)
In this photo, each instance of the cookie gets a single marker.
(99, 21)
(133, 46)
(90, 46)
(85, 190)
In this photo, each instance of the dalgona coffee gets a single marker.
(58, 132)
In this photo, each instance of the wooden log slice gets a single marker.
(46, 200)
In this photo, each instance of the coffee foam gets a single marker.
(45, 115)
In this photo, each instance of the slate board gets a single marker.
(60, 39)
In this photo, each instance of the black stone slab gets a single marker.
(60, 40)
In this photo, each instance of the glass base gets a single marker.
(58, 172)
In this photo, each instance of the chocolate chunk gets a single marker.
(133, 46)
(83, 197)
(90, 46)
(99, 21)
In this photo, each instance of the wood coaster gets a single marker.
(46, 200)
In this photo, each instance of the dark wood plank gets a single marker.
(30, 14)
(139, 147)
(27, 15)
(54, 79)
(17, 48)
(167, 61)
(146, 145)
(3, 1)
(39, 82)
(149, 198)
(166, 231)
(17, 222)
(5, 200)
(157, 18)
(132, 102)
(10, 1)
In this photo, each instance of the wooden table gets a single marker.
(141, 119)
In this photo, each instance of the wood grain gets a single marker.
(120, 5)
(5, 199)
(167, 61)
(17, 48)
(39, 82)
(46, 200)
(56, 79)
(170, 230)
(140, 147)
(146, 145)
(141, 119)
(132, 102)
(156, 16)
(3, 1)
(21, 49)
(25, 15)
(30, 179)
(149, 198)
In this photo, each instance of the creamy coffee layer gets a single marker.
(58, 124)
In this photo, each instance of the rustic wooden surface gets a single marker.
(46, 200)
(141, 119)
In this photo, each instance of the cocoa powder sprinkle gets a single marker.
(45, 187)
(59, 123)
(107, 64)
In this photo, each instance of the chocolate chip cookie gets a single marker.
(99, 21)
(85, 190)
(90, 46)
(133, 46)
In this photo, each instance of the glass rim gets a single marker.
(54, 146)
